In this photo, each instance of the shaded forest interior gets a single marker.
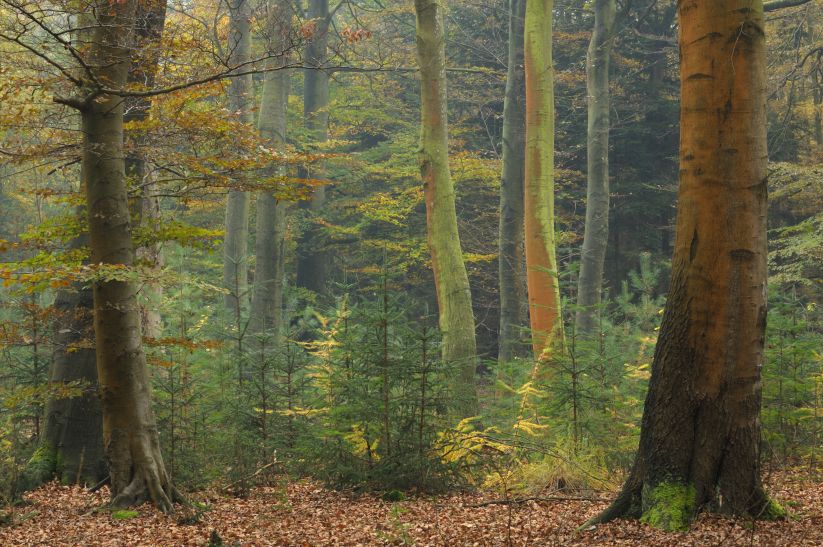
(503, 251)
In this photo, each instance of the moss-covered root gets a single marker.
(40, 468)
(669, 506)
(771, 510)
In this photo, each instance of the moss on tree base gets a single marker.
(669, 506)
(772, 511)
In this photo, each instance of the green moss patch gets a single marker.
(772, 511)
(124, 514)
(669, 506)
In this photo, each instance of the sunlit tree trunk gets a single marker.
(596, 233)
(236, 240)
(267, 297)
(151, 18)
(541, 262)
(700, 436)
(130, 435)
(450, 278)
(312, 258)
(510, 260)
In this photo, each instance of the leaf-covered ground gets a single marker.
(304, 513)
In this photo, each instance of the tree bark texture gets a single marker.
(699, 443)
(267, 295)
(596, 232)
(312, 256)
(511, 259)
(541, 261)
(451, 281)
(73, 438)
(150, 20)
(130, 435)
(236, 240)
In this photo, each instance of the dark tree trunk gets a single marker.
(511, 261)
(699, 442)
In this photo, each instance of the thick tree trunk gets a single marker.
(541, 263)
(267, 297)
(699, 443)
(151, 18)
(236, 240)
(450, 278)
(130, 434)
(596, 232)
(511, 259)
(312, 257)
(73, 440)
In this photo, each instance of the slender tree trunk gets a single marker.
(130, 434)
(151, 18)
(541, 262)
(312, 257)
(700, 436)
(450, 278)
(510, 261)
(596, 233)
(267, 296)
(236, 241)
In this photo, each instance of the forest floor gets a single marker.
(304, 513)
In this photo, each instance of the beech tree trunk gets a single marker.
(150, 20)
(312, 257)
(511, 259)
(541, 262)
(596, 232)
(267, 296)
(130, 435)
(236, 239)
(699, 442)
(451, 281)
(72, 449)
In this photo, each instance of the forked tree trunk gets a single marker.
(511, 259)
(699, 442)
(450, 278)
(130, 435)
(312, 257)
(541, 262)
(236, 239)
(267, 297)
(596, 232)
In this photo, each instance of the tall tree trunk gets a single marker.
(699, 442)
(596, 232)
(541, 261)
(236, 241)
(151, 18)
(130, 434)
(312, 258)
(450, 278)
(267, 297)
(510, 260)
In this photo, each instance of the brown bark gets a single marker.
(130, 435)
(700, 432)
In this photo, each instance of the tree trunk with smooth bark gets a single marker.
(240, 95)
(511, 259)
(130, 437)
(451, 281)
(267, 296)
(700, 436)
(541, 261)
(312, 256)
(596, 231)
